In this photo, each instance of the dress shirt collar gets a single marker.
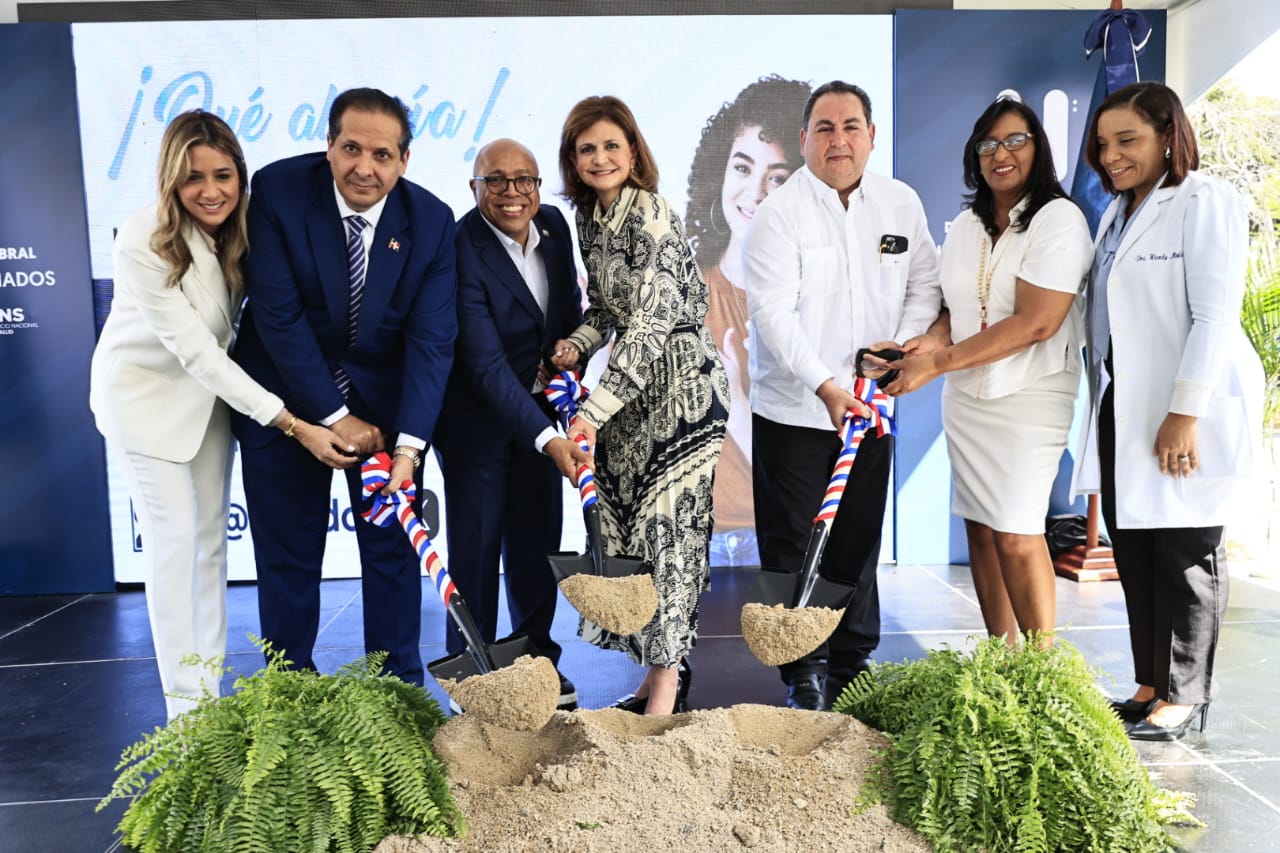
(829, 194)
(531, 242)
(617, 212)
(372, 215)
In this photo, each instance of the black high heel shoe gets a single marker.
(1146, 730)
(633, 704)
(1133, 710)
(684, 677)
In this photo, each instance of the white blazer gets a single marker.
(161, 361)
(1173, 298)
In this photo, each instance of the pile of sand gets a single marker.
(622, 605)
(747, 777)
(521, 696)
(778, 635)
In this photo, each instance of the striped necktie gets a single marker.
(357, 266)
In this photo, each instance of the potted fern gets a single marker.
(291, 760)
(1003, 750)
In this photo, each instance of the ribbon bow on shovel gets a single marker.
(794, 613)
(479, 659)
(604, 588)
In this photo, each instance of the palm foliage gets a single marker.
(1007, 750)
(291, 760)
(1260, 316)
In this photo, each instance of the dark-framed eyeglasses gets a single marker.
(497, 184)
(1012, 142)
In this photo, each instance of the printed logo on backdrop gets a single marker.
(252, 119)
(17, 271)
(342, 519)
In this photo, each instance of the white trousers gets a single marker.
(182, 513)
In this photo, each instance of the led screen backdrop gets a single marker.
(466, 81)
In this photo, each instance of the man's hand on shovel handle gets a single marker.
(568, 456)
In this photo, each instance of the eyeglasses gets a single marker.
(1012, 142)
(497, 184)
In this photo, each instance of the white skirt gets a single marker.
(1005, 452)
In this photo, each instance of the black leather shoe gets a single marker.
(804, 693)
(1132, 710)
(568, 695)
(841, 677)
(631, 703)
(1147, 730)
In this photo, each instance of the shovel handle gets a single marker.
(586, 477)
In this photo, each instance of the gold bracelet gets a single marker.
(293, 422)
(410, 453)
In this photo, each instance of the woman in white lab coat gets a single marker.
(1176, 395)
(160, 386)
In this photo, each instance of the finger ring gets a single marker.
(1184, 458)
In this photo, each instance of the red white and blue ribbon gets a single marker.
(852, 431)
(376, 473)
(565, 393)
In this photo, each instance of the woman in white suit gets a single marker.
(1176, 394)
(161, 383)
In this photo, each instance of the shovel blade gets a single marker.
(566, 563)
(463, 665)
(621, 567)
(777, 586)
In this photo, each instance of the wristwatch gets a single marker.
(410, 452)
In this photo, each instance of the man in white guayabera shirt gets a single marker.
(836, 259)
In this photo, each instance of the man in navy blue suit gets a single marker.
(351, 320)
(497, 444)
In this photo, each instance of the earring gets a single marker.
(1167, 152)
(711, 218)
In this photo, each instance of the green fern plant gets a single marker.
(1260, 316)
(1008, 750)
(291, 760)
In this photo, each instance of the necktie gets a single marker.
(357, 266)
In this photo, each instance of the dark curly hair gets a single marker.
(775, 106)
(1042, 183)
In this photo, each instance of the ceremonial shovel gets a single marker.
(479, 658)
(633, 603)
(808, 588)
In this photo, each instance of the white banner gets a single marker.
(466, 81)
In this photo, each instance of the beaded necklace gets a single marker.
(986, 273)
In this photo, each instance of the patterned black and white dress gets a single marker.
(660, 408)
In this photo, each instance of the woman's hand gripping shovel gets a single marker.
(794, 613)
(606, 589)
(505, 683)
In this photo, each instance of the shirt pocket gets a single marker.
(893, 274)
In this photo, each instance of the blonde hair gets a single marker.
(186, 131)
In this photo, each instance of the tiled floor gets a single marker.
(78, 684)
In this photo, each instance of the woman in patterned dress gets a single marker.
(656, 419)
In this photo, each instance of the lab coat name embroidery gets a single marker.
(1159, 256)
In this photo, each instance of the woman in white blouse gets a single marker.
(161, 382)
(1166, 353)
(1009, 341)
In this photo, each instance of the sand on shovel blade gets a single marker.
(778, 635)
(620, 605)
(521, 696)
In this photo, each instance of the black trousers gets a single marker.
(1175, 589)
(791, 467)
